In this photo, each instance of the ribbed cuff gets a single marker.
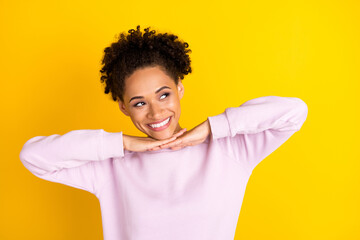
(112, 144)
(219, 125)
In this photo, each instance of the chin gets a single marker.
(161, 136)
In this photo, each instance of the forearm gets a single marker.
(43, 154)
(259, 114)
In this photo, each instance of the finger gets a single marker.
(154, 148)
(177, 148)
(167, 145)
(162, 142)
(172, 144)
(156, 144)
(165, 141)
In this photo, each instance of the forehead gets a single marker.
(146, 81)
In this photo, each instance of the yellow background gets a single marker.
(50, 54)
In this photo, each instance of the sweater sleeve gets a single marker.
(259, 126)
(72, 159)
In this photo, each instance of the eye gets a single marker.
(165, 94)
(136, 105)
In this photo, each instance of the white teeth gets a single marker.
(160, 124)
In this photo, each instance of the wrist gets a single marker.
(207, 127)
(125, 140)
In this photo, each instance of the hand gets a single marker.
(141, 144)
(195, 136)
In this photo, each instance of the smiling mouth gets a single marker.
(160, 126)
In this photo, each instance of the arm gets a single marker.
(72, 158)
(259, 126)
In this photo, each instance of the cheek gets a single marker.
(174, 104)
(176, 108)
(137, 116)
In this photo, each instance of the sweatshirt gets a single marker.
(191, 193)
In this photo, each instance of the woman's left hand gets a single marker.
(195, 136)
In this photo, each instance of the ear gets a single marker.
(123, 108)
(181, 89)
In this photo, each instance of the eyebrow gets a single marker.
(155, 93)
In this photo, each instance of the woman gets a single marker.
(172, 184)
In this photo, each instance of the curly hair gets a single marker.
(138, 50)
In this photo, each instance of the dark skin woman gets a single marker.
(144, 72)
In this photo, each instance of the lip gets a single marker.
(159, 121)
(162, 127)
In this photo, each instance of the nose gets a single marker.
(155, 112)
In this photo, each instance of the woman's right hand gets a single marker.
(141, 144)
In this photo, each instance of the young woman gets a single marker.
(173, 184)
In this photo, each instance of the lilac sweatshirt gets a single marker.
(192, 193)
